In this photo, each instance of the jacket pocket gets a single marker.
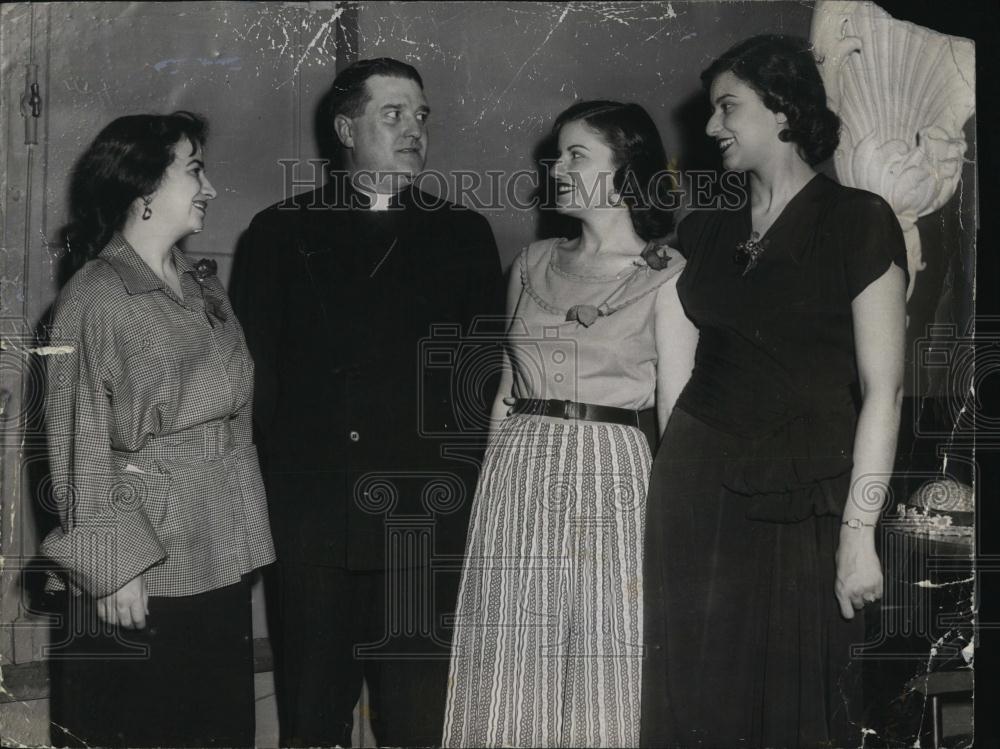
(139, 487)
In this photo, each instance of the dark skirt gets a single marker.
(184, 680)
(745, 645)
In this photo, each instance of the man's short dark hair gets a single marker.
(349, 92)
(349, 95)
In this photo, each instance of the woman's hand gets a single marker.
(503, 400)
(879, 319)
(127, 607)
(859, 572)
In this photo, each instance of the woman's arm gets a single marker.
(501, 403)
(879, 316)
(105, 540)
(676, 341)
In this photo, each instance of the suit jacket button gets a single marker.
(354, 436)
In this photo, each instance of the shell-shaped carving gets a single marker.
(903, 94)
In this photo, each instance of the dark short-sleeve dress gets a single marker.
(745, 642)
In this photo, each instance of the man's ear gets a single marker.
(345, 130)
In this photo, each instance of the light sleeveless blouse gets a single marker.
(611, 362)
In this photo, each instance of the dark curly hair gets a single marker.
(639, 157)
(782, 70)
(127, 160)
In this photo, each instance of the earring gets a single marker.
(146, 211)
(784, 135)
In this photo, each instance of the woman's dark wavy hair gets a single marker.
(127, 160)
(782, 70)
(640, 160)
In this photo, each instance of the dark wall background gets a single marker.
(498, 73)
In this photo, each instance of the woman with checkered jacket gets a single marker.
(162, 513)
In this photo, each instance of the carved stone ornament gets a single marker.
(903, 94)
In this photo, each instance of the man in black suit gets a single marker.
(338, 290)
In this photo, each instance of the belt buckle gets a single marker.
(213, 439)
(570, 410)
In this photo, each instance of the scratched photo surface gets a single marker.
(495, 76)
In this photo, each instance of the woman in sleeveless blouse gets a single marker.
(548, 641)
(767, 488)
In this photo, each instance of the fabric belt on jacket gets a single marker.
(198, 444)
(644, 421)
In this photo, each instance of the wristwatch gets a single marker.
(856, 524)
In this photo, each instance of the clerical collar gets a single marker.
(377, 201)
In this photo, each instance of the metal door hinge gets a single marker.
(31, 105)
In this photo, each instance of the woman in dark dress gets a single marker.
(768, 484)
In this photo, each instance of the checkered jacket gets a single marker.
(153, 466)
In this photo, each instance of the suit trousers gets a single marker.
(336, 627)
(185, 680)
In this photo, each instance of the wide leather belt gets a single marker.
(576, 411)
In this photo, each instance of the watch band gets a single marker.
(857, 524)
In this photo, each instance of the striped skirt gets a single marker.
(547, 648)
